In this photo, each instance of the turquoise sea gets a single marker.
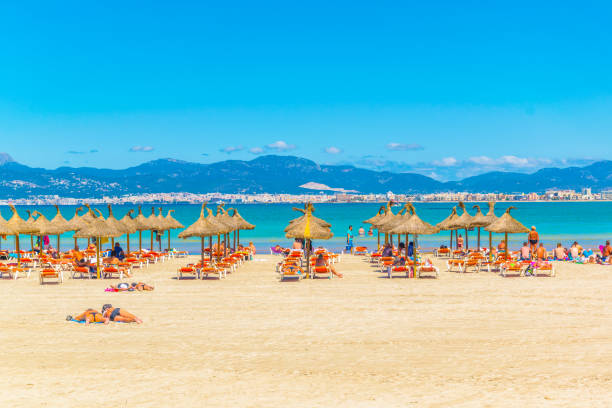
(589, 223)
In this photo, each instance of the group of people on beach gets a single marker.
(108, 314)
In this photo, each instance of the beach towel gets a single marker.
(83, 322)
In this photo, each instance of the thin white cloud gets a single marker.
(333, 150)
(143, 149)
(403, 146)
(231, 149)
(256, 150)
(280, 146)
(446, 162)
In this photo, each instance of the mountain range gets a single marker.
(274, 174)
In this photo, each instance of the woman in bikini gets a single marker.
(89, 316)
(115, 314)
(126, 287)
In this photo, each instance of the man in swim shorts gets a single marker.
(533, 238)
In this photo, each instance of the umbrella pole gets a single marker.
(238, 237)
(378, 241)
(490, 246)
(406, 246)
(152, 249)
(168, 240)
(112, 243)
(88, 242)
(478, 238)
(98, 256)
(31, 242)
(128, 244)
(467, 243)
(414, 264)
(507, 249)
(18, 253)
(58, 243)
(210, 248)
(202, 252)
(162, 232)
(140, 241)
(451, 241)
(75, 244)
(234, 241)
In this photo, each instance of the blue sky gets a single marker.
(447, 89)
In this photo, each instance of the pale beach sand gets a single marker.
(363, 341)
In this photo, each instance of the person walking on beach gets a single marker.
(460, 242)
(533, 238)
(349, 239)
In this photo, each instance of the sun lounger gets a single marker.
(323, 271)
(208, 270)
(442, 252)
(290, 272)
(188, 270)
(423, 269)
(113, 272)
(50, 273)
(547, 268)
(512, 268)
(361, 250)
(403, 269)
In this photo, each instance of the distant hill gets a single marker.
(273, 174)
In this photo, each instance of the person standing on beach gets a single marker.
(533, 238)
(349, 239)
(460, 242)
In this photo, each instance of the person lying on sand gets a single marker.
(116, 314)
(89, 316)
(126, 287)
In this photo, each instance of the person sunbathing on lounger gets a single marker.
(89, 316)
(321, 262)
(116, 314)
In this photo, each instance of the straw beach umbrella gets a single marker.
(98, 228)
(416, 226)
(373, 220)
(76, 223)
(226, 221)
(140, 221)
(387, 224)
(130, 227)
(445, 224)
(19, 226)
(31, 221)
(463, 221)
(384, 218)
(203, 227)
(239, 224)
(115, 223)
(491, 218)
(4, 229)
(172, 223)
(61, 224)
(153, 225)
(507, 224)
(306, 229)
(46, 227)
(479, 220)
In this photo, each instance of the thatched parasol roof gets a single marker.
(18, 225)
(390, 223)
(60, 222)
(507, 223)
(31, 219)
(161, 221)
(445, 223)
(306, 228)
(128, 223)
(4, 228)
(89, 216)
(203, 227)
(115, 223)
(222, 218)
(77, 222)
(153, 221)
(381, 212)
(307, 207)
(479, 219)
(46, 227)
(463, 221)
(172, 223)
(491, 217)
(239, 222)
(414, 225)
(98, 228)
(140, 221)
